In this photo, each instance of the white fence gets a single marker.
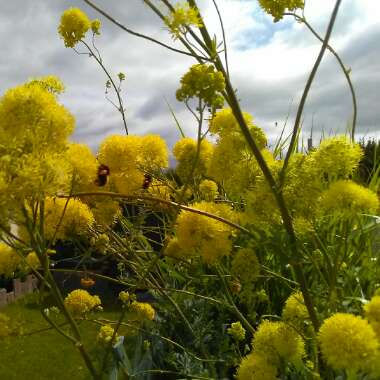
(20, 289)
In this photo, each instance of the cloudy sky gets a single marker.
(269, 65)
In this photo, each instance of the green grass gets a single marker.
(44, 355)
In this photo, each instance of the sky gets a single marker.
(269, 65)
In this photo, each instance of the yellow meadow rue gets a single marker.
(106, 210)
(80, 302)
(255, 366)
(348, 198)
(237, 331)
(173, 249)
(295, 310)
(337, 158)
(245, 266)
(106, 332)
(50, 83)
(202, 81)
(84, 166)
(372, 313)
(208, 189)
(95, 26)
(278, 341)
(204, 236)
(33, 261)
(153, 154)
(73, 26)
(124, 296)
(277, 8)
(143, 310)
(182, 17)
(347, 342)
(9, 260)
(185, 152)
(77, 218)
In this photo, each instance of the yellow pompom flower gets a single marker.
(106, 332)
(95, 26)
(106, 210)
(208, 189)
(237, 331)
(50, 83)
(124, 296)
(277, 8)
(73, 26)
(255, 366)
(77, 218)
(201, 235)
(347, 342)
(279, 342)
(153, 154)
(245, 266)
(337, 158)
(295, 310)
(143, 311)
(185, 151)
(372, 313)
(9, 260)
(182, 17)
(84, 166)
(173, 249)
(348, 198)
(80, 302)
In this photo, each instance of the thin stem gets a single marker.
(117, 92)
(224, 36)
(307, 89)
(346, 71)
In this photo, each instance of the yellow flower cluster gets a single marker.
(95, 26)
(73, 26)
(182, 17)
(208, 189)
(348, 198)
(9, 260)
(372, 314)
(124, 296)
(277, 8)
(77, 218)
(143, 311)
(203, 236)
(185, 152)
(237, 331)
(79, 302)
(204, 82)
(295, 310)
(33, 261)
(105, 334)
(50, 83)
(256, 366)
(348, 342)
(279, 342)
(336, 158)
(129, 157)
(245, 266)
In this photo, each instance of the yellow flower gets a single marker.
(201, 235)
(50, 83)
(185, 152)
(204, 82)
(95, 26)
(295, 310)
(279, 341)
(208, 189)
(73, 26)
(106, 210)
(80, 302)
(143, 310)
(182, 17)
(9, 260)
(245, 266)
(77, 218)
(124, 296)
(347, 342)
(255, 366)
(237, 331)
(348, 198)
(277, 8)
(84, 166)
(33, 261)
(153, 154)
(337, 158)
(372, 313)
(173, 249)
(105, 334)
